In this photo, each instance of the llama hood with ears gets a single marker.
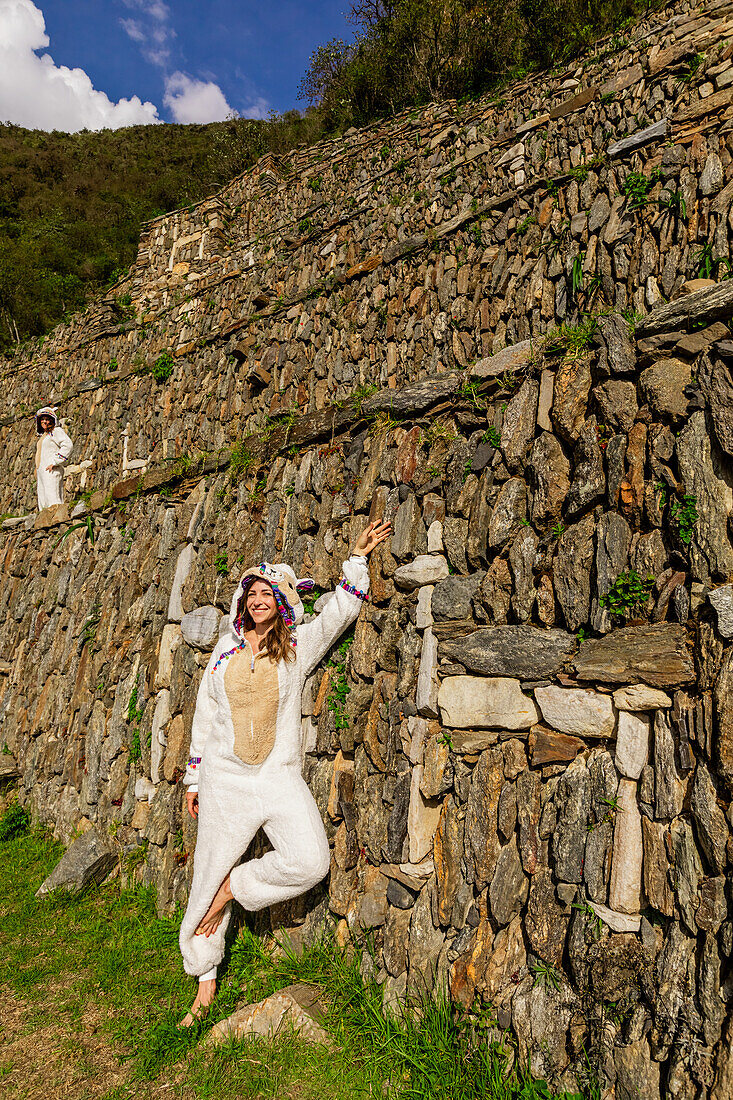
(45, 411)
(285, 585)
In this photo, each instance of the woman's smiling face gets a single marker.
(261, 603)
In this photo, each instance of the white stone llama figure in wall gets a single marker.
(52, 453)
(131, 465)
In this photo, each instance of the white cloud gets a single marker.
(257, 108)
(134, 30)
(151, 30)
(156, 9)
(37, 93)
(190, 100)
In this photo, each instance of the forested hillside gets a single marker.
(71, 205)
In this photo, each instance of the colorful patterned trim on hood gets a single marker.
(283, 606)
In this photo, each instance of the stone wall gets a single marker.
(524, 757)
(420, 245)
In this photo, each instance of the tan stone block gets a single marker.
(176, 751)
(343, 769)
(140, 815)
(656, 867)
(626, 864)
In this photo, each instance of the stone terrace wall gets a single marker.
(527, 796)
(527, 785)
(420, 245)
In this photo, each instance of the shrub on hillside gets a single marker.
(408, 52)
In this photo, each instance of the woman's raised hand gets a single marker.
(371, 536)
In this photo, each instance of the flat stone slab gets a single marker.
(640, 697)
(186, 558)
(617, 922)
(710, 303)
(576, 711)
(632, 744)
(422, 818)
(8, 767)
(424, 569)
(415, 397)
(89, 859)
(664, 384)
(624, 892)
(655, 132)
(722, 600)
(475, 702)
(656, 653)
(472, 741)
(508, 359)
(51, 517)
(297, 1006)
(551, 747)
(200, 628)
(526, 652)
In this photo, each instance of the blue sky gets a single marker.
(122, 61)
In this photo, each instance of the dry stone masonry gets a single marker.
(506, 327)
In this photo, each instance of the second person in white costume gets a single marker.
(52, 452)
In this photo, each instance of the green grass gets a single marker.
(108, 951)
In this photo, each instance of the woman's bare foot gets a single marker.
(215, 913)
(199, 1008)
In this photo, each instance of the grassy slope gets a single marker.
(93, 986)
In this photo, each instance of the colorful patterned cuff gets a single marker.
(343, 583)
(194, 761)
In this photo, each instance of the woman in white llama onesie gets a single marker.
(52, 452)
(244, 770)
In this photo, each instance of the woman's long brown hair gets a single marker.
(278, 644)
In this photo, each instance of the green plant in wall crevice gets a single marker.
(576, 274)
(89, 629)
(163, 366)
(628, 595)
(637, 186)
(135, 708)
(309, 600)
(339, 686)
(241, 460)
(683, 516)
(86, 524)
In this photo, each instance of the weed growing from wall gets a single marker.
(571, 339)
(309, 600)
(241, 461)
(86, 524)
(163, 367)
(637, 186)
(89, 630)
(684, 515)
(628, 595)
(134, 714)
(340, 689)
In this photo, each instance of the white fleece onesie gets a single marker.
(246, 765)
(53, 449)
